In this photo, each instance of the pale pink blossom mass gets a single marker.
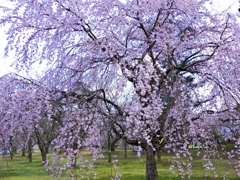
(159, 75)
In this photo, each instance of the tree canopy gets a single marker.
(158, 74)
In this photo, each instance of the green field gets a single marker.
(131, 167)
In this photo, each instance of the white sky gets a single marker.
(5, 62)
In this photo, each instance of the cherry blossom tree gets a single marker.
(175, 61)
(27, 113)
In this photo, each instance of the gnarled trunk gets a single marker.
(151, 167)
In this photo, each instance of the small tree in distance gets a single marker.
(179, 62)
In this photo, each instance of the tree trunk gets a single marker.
(30, 150)
(44, 151)
(11, 148)
(113, 142)
(74, 161)
(11, 155)
(151, 167)
(112, 147)
(159, 154)
(125, 149)
(14, 150)
(109, 146)
(44, 156)
(23, 151)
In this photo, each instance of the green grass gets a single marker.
(20, 168)
(131, 168)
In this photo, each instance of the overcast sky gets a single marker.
(5, 62)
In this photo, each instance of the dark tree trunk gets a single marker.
(44, 152)
(44, 157)
(112, 147)
(11, 155)
(30, 150)
(151, 167)
(159, 154)
(74, 161)
(109, 156)
(23, 151)
(125, 149)
(109, 146)
(14, 150)
(113, 143)
(11, 148)
(43, 147)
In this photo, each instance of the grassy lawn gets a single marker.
(131, 168)
(20, 168)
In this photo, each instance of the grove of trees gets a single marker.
(157, 74)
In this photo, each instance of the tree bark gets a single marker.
(109, 156)
(74, 161)
(14, 150)
(113, 143)
(11, 148)
(125, 149)
(151, 167)
(23, 151)
(11, 155)
(44, 152)
(44, 157)
(43, 146)
(159, 154)
(30, 150)
(109, 148)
